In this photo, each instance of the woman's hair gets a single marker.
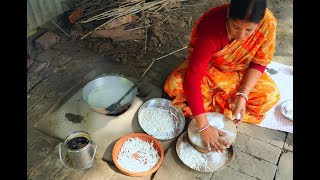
(249, 10)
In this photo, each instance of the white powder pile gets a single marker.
(216, 121)
(157, 122)
(217, 158)
(137, 155)
(192, 157)
(196, 160)
(197, 140)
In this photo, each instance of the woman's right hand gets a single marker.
(211, 137)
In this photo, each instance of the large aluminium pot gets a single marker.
(100, 93)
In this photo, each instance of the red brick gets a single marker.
(47, 40)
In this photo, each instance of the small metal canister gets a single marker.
(80, 150)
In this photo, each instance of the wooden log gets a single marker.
(119, 34)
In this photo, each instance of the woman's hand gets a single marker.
(211, 135)
(239, 107)
(211, 138)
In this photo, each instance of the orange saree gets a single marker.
(225, 72)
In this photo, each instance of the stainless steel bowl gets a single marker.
(184, 144)
(103, 91)
(176, 114)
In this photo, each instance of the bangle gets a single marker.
(204, 128)
(245, 88)
(242, 95)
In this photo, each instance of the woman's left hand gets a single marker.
(240, 107)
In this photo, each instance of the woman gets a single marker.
(230, 47)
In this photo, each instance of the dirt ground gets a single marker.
(173, 28)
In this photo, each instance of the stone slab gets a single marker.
(32, 136)
(48, 167)
(76, 70)
(47, 55)
(39, 110)
(257, 148)
(229, 173)
(120, 176)
(50, 70)
(62, 59)
(32, 81)
(288, 144)
(32, 100)
(99, 171)
(39, 150)
(69, 174)
(271, 136)
(252, 166)
(285, 167)
(50, 83)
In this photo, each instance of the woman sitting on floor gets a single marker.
(230, 47)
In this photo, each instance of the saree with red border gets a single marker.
(226, 70)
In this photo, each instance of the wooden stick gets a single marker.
(148, 25)
(82, 2)
(42, 97)
(195, 4)
(30, 108)
(172, 26)
(100, 16)
(109, 13)
(165, 19)
(154, 60)
(113, 12)
(170, 53)
(145, 29)
(60, 28)
(146, 40)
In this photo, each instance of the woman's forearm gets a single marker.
(201, 120)
(250, 79)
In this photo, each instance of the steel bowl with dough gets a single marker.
(203, 162)
(101, 92)
(160, 119)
